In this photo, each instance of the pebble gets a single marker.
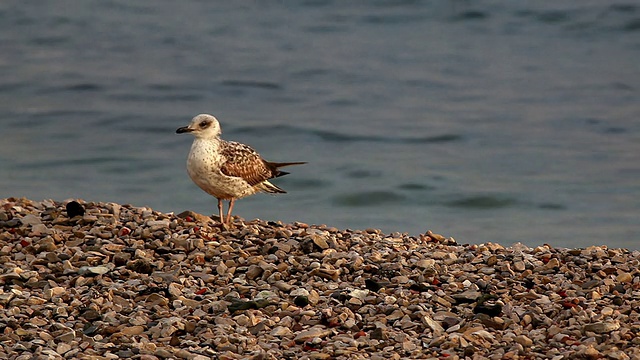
(523, 340)
(281, 331)
(93, 270)
(118, 281)
(63, 348)
(314, 332)
(602, 327)
(132, 330)
(624, 277)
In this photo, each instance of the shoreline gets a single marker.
(124, 281)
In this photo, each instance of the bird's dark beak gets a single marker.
(184, 129)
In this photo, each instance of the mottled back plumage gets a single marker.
(242, 161)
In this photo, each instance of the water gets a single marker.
(485, 120)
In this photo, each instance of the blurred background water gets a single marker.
(501, 121)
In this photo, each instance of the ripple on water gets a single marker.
(390, 19)
(136, 97)
(252, 84)
(483, 202)
(303, 184)
(368, 198)
(551, 206)
(331, 136)
(55, 163)
(415, 187)
(363, 174)
(470, 15)
(337, 137)
(81, 87)
(12, 86)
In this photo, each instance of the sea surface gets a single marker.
(488, 121)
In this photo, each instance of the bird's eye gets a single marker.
(204, 124)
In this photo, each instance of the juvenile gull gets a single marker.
(227, 170)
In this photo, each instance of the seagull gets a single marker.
(227, 170)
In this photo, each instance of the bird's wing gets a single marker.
(244, 162)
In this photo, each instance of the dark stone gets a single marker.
(307, 246)
(449, 321)
(617, 300)
(301, 301)
(237, 304)
(90, 329)
(619, 288)
(421, 287)
(121, 258)
(257, 329)
(90, 315)
(155, 290)
(372, 285)
(491, 310)
(340, 296)
(469, 351)
(175, 341)
(74, 209)
(529, 283)
(378, 334)
(163, 250)
(141, 266)
(487, 306)
(590, 284)
(125, 354)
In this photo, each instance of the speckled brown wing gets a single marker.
(244, 162)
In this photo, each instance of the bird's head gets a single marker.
(203, 126)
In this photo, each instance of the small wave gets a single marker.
(332, 136)
(156, 98)
(311, 73)
(551, 206)
(339, 137)
(415, 187)
(363, 174)
(9, 87)
(53, 163)
(83, 87)
(323, 29)
(54, 114)
(301, 184)
(368, 198)
(553, 17)
(162, 87)
(269, 130)
(252, 84)
(50, 40)
(470, 15)
(483, 202)
(435, 139)
(632, 25)
(393, 19)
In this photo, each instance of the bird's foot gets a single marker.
(223, 226)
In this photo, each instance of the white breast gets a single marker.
(203, 166)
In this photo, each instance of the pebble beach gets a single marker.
(92, 280)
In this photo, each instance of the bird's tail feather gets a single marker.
(268, 187)
(283, 164)
(275, 165)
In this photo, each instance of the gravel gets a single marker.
(118, 281)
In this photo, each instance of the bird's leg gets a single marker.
(231, 202)
(221, 212)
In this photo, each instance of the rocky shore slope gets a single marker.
(105, 281)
